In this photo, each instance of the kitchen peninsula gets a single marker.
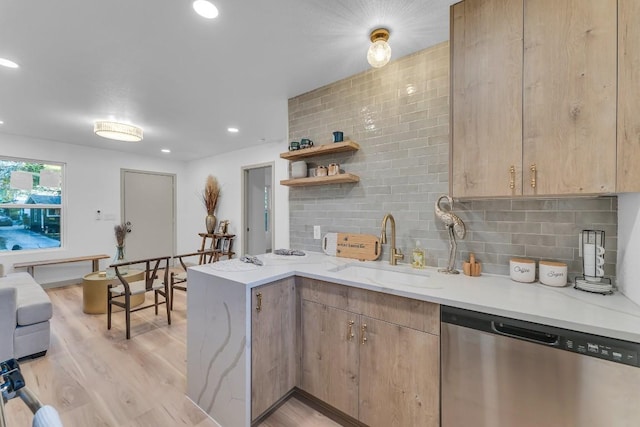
(223, 306)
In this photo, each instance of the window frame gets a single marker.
(62, 207)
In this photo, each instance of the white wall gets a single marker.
(92, 182)
(628, 273)
(227, 168)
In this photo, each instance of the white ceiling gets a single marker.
(183, 78)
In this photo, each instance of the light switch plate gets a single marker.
(316, 232)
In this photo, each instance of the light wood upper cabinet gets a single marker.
(273, 344)
(551, 90)
(628, 96)
(569, 125)
(486, 106)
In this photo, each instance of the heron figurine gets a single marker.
(455, 226)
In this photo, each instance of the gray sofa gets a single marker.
(25, 310)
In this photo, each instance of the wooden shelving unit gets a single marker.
(342, 178)
(337, 147)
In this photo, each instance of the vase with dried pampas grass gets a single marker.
(121, 231)
(210, 196)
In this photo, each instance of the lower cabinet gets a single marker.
(329, 362)
(399, 376)
(383, 371)
(273, 344)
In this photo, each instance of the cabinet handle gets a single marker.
(534, 172)
(363, 333)
(512, 177)
(350, 334)
(259, 305)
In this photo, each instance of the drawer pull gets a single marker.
(534, 172)
(259, 305)
(512, 177)
(350, 334)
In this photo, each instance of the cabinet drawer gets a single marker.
(326, 293)
(421, 315)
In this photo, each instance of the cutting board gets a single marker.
(364, 247)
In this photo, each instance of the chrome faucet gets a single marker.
(396, 254)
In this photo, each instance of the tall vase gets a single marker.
(210, 223)
(118, 258)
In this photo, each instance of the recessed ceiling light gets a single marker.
(118, 131)
(165, 150)
(1, 122)
(7, 63)
(205, 9)
(233, 130)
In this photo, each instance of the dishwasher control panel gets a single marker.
(606, 348)
(614, 352)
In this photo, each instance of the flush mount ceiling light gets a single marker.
(233, 130)
(379, 52)
(205, 9)
(118, 131)
(8, 63)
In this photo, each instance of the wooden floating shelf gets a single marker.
(336, 147)
(342, 178)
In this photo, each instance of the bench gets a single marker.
(95, 259)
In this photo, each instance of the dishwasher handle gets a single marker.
(525, 334)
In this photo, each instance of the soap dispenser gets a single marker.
(418, 256)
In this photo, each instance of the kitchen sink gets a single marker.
(384, 277)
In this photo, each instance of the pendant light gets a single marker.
(379, 52)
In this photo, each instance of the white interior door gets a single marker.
(258, 206)
(148, 205)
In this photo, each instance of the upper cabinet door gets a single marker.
(628, 96)
(486, 98)
(569, 125)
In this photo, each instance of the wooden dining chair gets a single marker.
(178, 280)
(151, 283)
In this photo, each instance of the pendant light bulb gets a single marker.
(205, 8)
(379, 52)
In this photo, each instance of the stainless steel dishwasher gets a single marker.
(501, 372)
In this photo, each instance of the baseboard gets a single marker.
(326, 409)
(273, 408)
(315, 404)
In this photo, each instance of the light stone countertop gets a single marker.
(612, 315)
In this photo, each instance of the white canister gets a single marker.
(553, 273)
(522, 270)
(298, 169)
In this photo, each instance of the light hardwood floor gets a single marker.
(95, 377)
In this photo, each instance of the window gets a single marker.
(30, 204)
